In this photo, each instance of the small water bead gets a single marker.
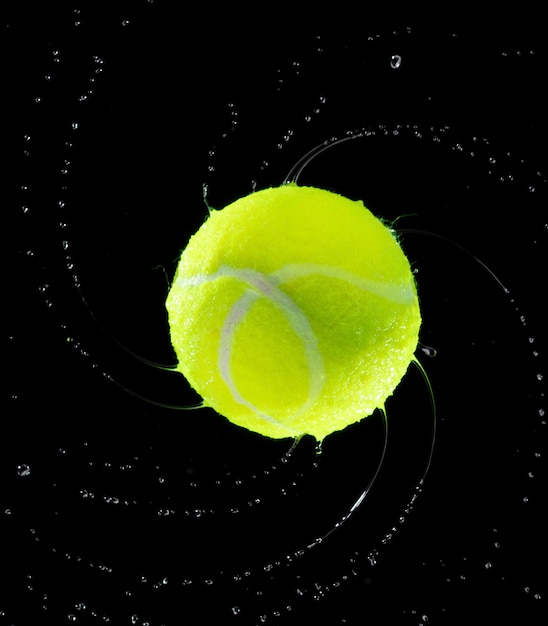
(372, 557)
(395, 61)
(428, 351)
(23, 470)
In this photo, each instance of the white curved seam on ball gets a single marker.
(264, 285)
(296, 318)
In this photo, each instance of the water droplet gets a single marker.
(428, 350)
(395, 61)
(23, 470)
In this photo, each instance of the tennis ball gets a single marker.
(293, 311)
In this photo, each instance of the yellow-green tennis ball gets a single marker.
(294, 311)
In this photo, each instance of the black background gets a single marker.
(114, 509)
